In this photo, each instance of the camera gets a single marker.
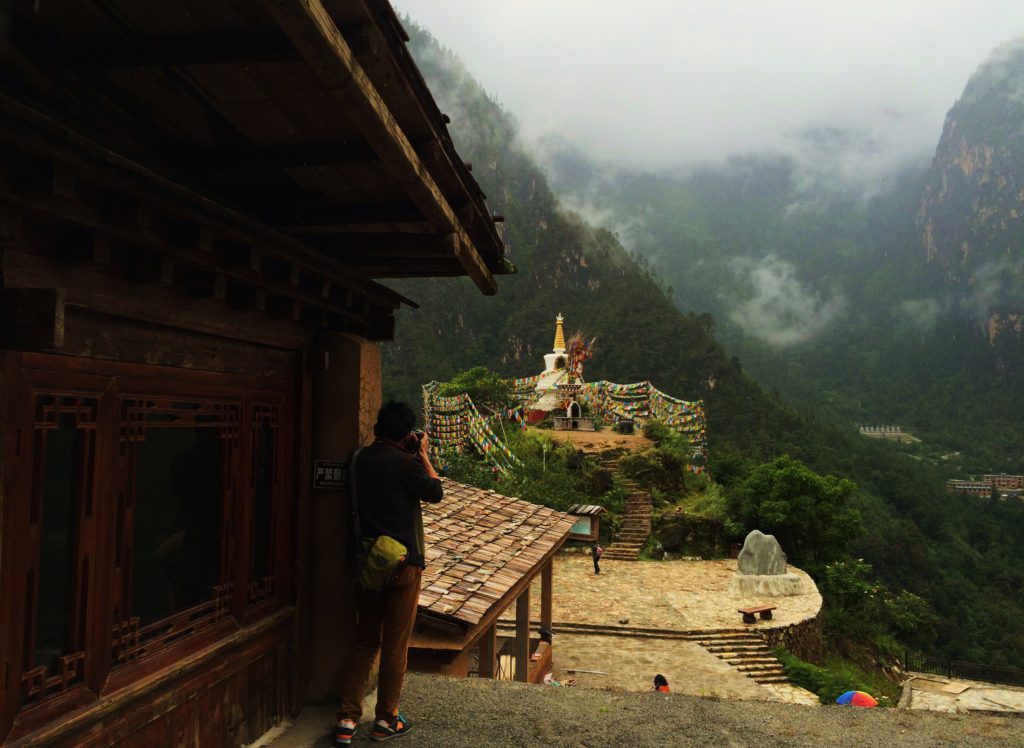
(414, 440)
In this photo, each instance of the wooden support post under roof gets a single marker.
(488, 652)
(311, 29)
(546, 578)
(522, 649)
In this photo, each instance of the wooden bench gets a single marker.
(765, 612)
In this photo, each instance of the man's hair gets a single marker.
(395, 420)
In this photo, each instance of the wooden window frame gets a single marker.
(115, 651)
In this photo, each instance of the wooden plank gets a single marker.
(100, 336)
(153, 304)
(205, 675)
(311, 29)
(32, 319)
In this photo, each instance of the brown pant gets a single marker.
(384, 622)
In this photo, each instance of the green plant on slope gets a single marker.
(837, 677)
(809, 514)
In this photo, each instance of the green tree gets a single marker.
(489, 392)
(809, 514)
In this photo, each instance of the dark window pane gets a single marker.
(178, 489)
(61, 465)
(263, 492)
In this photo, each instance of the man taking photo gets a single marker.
(387, 482)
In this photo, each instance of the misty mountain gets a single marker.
(971, 215)
(831, 288)
(919, 538)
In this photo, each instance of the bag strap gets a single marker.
(353, 496)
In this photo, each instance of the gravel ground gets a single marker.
(454, 713)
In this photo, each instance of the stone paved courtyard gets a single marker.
(669, 595)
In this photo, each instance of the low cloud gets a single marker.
(779, 308)
(920, 314)
(995, 286)
(708, 81)
(1000, 72)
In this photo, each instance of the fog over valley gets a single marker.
(853, 89)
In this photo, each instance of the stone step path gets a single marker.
(636, 525)
(748, 653)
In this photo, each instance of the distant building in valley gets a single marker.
(972, 487)
(1008, 486)
(895, 433)
(1004, 482)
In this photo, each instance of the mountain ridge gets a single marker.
(919, 537)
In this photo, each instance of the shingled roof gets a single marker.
(480, 544)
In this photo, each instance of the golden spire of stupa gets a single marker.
(559, 334)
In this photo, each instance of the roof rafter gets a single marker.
(311, 29)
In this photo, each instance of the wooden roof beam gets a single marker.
(161, 51)
(277, 156)
(47, 139)
(311, 29)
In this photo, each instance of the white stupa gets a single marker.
(555, 371)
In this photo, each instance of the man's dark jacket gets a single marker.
(391, 482)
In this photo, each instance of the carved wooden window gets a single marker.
(57, 575)
(145, 514)
(179, 471)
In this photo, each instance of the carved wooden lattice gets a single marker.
(265, 416)
(132, 642)
(54, 411)
(261, 590)
(140, 413)
(36, 685)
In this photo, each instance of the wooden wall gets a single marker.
(244, 678)
(228, 695)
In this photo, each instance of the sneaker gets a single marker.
(343, 732)
(386, 730)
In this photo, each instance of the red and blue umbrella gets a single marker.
(857, 698)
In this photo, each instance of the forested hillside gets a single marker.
(968, 563)
(890, 302)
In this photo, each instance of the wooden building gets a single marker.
(587, 527)
(197, 198)
(483, 552)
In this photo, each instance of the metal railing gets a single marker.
(922, 663)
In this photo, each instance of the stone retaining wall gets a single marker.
(803, 639)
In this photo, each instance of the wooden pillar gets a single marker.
(546, 575)
(523, 635)
(346, 397)
(488, 645)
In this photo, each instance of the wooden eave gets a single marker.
(303, 126)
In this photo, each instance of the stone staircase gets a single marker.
(747, 652)
(744, 650)
(636, 525)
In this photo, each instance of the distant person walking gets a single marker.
(596, 552)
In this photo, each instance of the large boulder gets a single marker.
(761, 555)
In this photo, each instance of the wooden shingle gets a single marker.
(480, 544)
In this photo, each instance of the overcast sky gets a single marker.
(671, 82)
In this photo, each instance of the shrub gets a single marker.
(837, 677)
